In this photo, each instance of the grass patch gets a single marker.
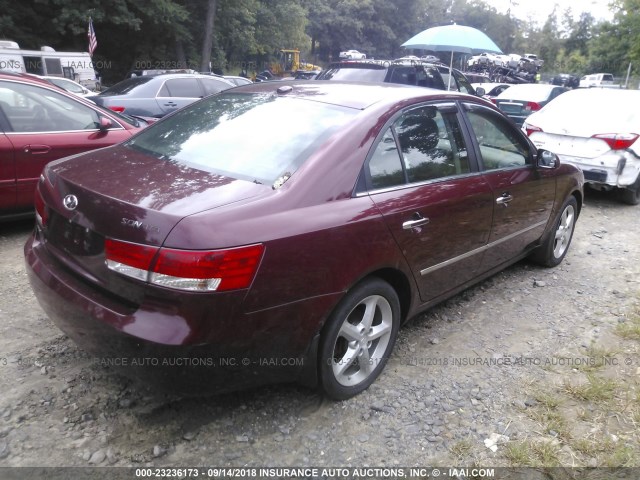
(622, 456)
(547, 400)
(597, 389)
(593, 448)
(630, 329)
(599, 355)
(461, 449)
(533, 454)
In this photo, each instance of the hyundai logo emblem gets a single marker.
(70, 202)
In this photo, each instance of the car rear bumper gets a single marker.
(612, 169)
(159, 345)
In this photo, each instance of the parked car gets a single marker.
(70, 86)
(520, 101)
(159, 95)
(477, 77)
(295, 256)
(490, 90)
(604, 80)
(39, 123)
(306, 74)
(538, 62)
(405, 72)
(566, 80)
(597, 131)
(352, 55)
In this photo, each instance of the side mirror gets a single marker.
(480, 91)
(547, 159)
(105, 124)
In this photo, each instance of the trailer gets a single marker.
(76, 66)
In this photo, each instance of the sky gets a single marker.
(540, 10)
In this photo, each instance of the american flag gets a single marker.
(93, 41)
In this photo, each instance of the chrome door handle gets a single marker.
(504, 199)
(418, 222)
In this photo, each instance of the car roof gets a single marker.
(358, 95)
(26, 77)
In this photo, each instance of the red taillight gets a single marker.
(532, 107)
(617, 141)
(41, 209)
(130, 259)
(531, 128)
(192, 270)
(117, 109)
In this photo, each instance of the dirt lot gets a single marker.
(540, 365)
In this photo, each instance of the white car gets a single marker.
(605, 80)
(70, 86)
(596, 130)
(353, 55)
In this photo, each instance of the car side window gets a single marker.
(500, 144)
(431, 144)
(181, 87)
(403, 75)
(385, 167)
(424, 144)
(32, 109)
(212, 86)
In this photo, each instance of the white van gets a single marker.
(46, 61)
(598, 80)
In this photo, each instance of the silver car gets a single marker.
(159, 95)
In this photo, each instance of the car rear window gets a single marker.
(125, 86)
(346, 73)
(254, 137)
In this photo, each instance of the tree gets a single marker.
(207, 41)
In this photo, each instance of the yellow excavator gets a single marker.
(289, 63)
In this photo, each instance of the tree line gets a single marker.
(227, 35)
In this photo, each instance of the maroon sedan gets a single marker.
(283, 232)
(40, 123)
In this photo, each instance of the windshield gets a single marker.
(260, 138)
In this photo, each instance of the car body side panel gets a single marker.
(35, 150)
(520, 223)
(459, 213)
(7, 174)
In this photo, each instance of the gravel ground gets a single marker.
(447, 388)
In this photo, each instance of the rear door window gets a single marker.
(211, 85)
(182, 87)
(423, 144)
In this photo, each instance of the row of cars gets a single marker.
(297, 255)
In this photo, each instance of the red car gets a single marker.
(40, 123)
(284, 231)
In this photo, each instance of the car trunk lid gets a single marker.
(125, 195)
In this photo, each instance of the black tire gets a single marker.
(630, 196)
(347, 367)
(555, 246)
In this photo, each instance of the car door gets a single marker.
(425, 184)
(177, 93)
(44, 125)
(523, 194)
(7, 173)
